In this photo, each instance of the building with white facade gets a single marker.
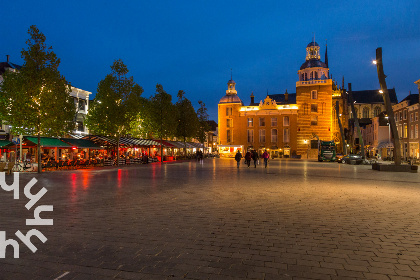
(81, 101)
(377, 137)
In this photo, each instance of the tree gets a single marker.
(117, 104)
(187, 119)
(162, 115)
(388, 106)
(203, 126)
(140, 126)
(36, 99)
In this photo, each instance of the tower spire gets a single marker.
(326, 53)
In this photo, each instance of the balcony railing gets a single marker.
(314, 82)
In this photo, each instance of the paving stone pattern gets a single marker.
(296, 219)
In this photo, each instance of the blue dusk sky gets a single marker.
(192, 45)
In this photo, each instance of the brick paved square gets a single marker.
(296, 219)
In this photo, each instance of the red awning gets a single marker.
(165, 143)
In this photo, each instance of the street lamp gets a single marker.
(389, 137)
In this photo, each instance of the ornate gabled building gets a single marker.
(285, 123)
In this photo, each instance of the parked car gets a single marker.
(350, 157)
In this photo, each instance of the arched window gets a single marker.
(311, 75)
(366, 112)
(302, 77)
(355, 112)
(377, 111)
(316, 75)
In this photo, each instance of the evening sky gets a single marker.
(192, 45)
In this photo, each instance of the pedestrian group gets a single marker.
(252, 155)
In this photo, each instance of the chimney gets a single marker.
(286, 96)
(7, 58)
(252, 98)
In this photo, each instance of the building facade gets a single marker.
(284, 124)
(377, 137)
(406, 115)
(211, 137)
(81, 102)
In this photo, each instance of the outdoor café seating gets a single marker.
(2, 166)
(10, 167)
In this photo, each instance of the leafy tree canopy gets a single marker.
(36, 99)
(162, 114)
(187, 117)
(117, 105)
(203, 126)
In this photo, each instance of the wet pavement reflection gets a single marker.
(214, 220)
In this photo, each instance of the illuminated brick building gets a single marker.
(285, 124)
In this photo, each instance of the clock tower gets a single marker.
(314, 101)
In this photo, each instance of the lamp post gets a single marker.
(389, 136)
(356, 122)
(343, 139)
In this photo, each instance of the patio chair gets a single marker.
(48, 165)
(10, 167)
(2, 166)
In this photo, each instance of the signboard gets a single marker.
(16, 140)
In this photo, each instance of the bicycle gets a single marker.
(23, 166)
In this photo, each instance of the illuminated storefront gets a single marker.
(229, 150)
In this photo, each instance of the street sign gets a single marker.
(16, 140)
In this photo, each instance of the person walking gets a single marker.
(265, 156)
(248, 157)
(255, 157)
(238, 157)
(201, 156)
